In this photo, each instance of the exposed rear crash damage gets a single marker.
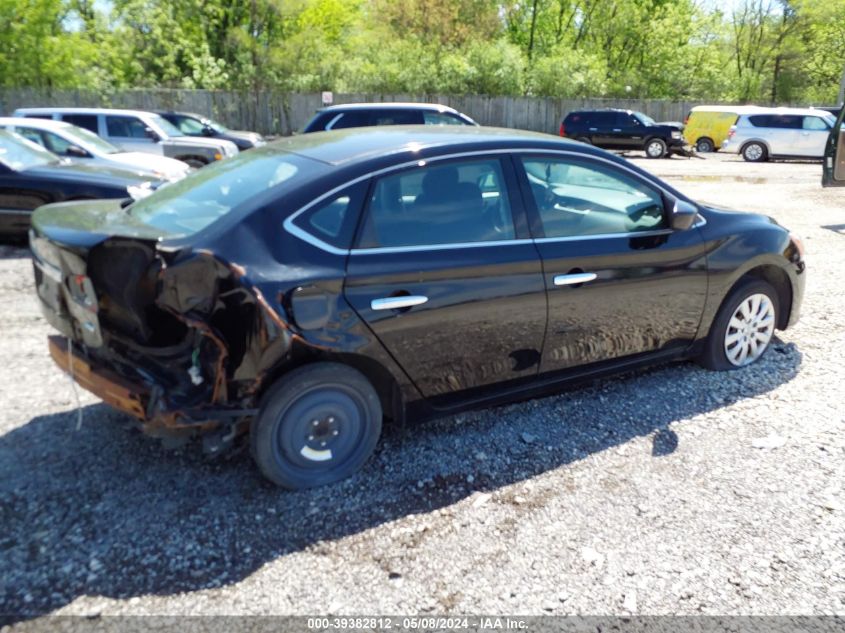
(181, 343)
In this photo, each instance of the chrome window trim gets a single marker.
(334, 120)
(307, 237)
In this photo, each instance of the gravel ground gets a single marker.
(669, 491)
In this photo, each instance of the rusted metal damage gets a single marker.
(198, 361)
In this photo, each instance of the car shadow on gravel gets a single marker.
(102, 510)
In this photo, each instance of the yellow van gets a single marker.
(707, 126)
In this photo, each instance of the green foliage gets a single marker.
(759, 50)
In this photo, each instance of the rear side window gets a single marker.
(396, 117)
(48, 117)
(125, 127)
(453, 203)
(87, 121)
(580, 199)
(441, 118)
(333, 221)
(782, 121)
(576, 118)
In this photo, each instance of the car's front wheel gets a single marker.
(316, 426)
(743, 328)
(655, 148)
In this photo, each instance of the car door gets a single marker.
(600, 128)
(833, 171)
(20, 195)
(446, 276)
(131, 134)
(628, 132)
(813, 136)
(620, 282)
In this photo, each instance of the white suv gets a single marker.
(780, 133)
(139, 131)
(86, 148)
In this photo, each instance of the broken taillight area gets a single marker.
(181, 341)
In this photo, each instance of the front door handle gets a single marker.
(397, 303)
(616, 129)
(574, 278)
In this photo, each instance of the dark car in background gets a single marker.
(339, 117)
(191, 124)
(623, 130)
(303, 291)
(31, 176)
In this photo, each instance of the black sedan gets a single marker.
(306, 290)
(31, 176)
(191, 124)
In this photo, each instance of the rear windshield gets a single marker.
(185, 207)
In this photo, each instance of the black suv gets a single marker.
(623, 129)
(191, 124)
(368, 114)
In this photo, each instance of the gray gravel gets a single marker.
(669, 491)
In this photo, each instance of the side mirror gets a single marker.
(683, 215)
(151, 134)
(207, 131)
(75, 151)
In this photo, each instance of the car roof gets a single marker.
(795, 111)
(337, 147)
(727, 108)
(397, 105)
(181, 113)
(39, 124)
(55, 110)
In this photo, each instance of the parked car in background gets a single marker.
(348, 115)
(611, 128)
(31, 176)
(707, 126)
(779, 133)
(833, 168)
(408, 274)
(191, 124)
(139, 131)
(834, 110)
(84, 147)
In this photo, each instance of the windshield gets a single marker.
(188, 206)
(644, 118)
(18, 154)
(90, 141)
(166, 126)
(217, 127)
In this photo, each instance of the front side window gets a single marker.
(56, 143)
(578, 199)
(189, 127)
(396, 117)
(815, 123)
(126, 127)
(452, 203)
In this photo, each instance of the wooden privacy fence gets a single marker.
(284, 113)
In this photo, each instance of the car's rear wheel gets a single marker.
(754, 153)
(655, 148)
(743, 328)
(317, 425)
(704, 145)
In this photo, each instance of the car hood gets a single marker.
(95, 175)
(85, 223)
(677, 125)
(198, 141)
(169, 167)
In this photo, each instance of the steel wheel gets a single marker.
(318, 425)
(749, 330)
(704, 145)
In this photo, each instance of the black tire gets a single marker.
(715, 356)
(584, 139)
(194, 161)
(755, 152)
(655, 148)
(292, 451)
(705, 145)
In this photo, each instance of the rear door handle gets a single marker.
(593, 129)
(574, 278)
(397, 303)
(616, 130)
